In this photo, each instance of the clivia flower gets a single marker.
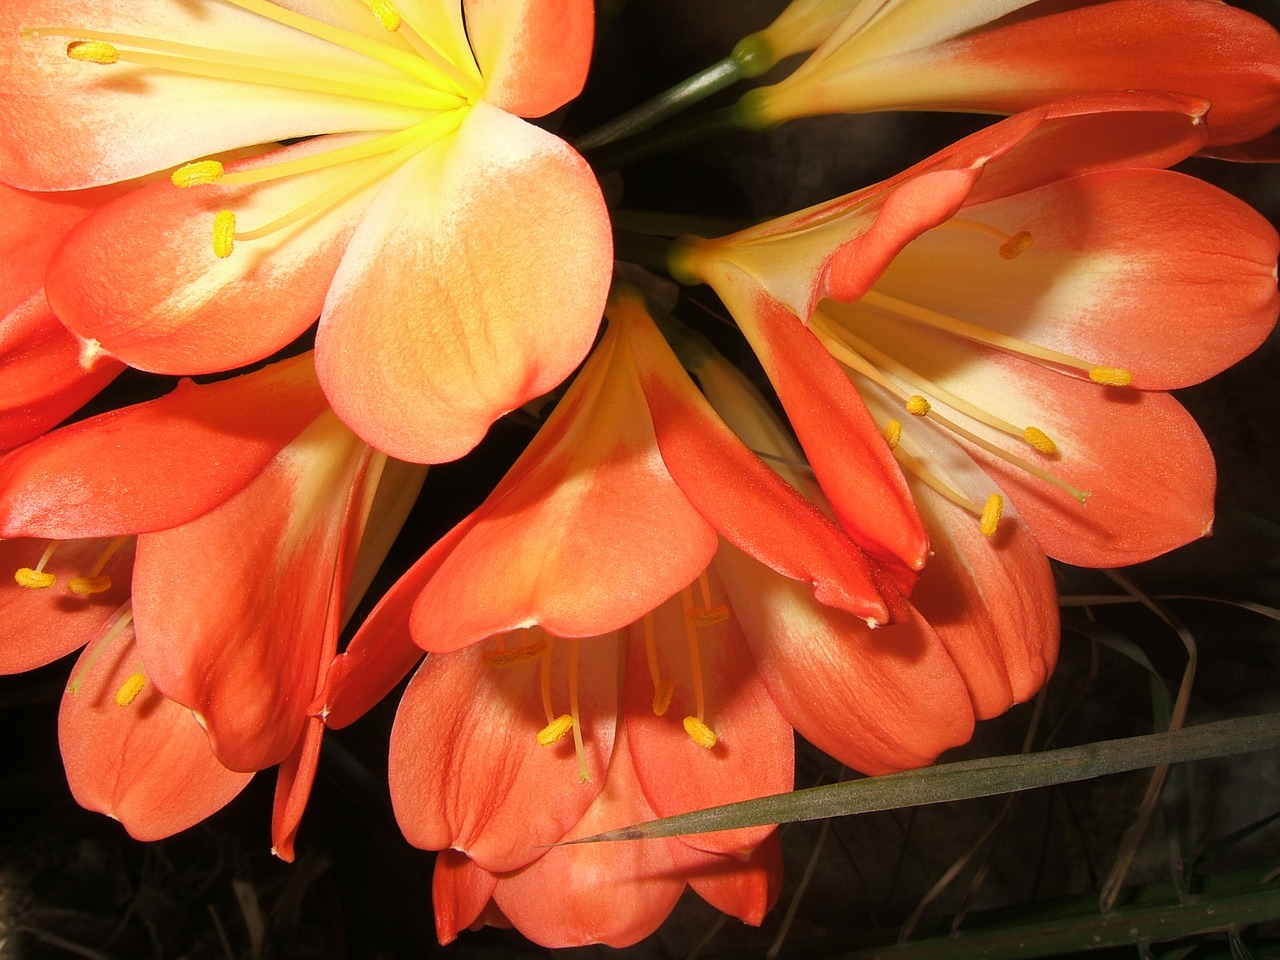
(430, 228)
(226, 520)
(1004, 56)
(623, 664)
(1030, 292)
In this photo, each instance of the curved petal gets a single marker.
(753, 755)
(159, 464)
(611, 893)
(460, 891)
(466, 769)
(1140, 458)
(242, 634)
(71, 124)
(1148, 270)
(543, 548)
(449, 307)
(533, 54)
(878, 700)
(746, 889)
(294, 780)
(133, 754)
(41, 625)
(748, 503)
(191, 311)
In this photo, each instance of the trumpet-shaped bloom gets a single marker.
(42, 379)
(1029, 292)
(240, 506)
(429, 227)
(1004, 56)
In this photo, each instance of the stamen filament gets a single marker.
(374, 147)
(695, 657)
(123, 618)
(934, 482)
(36, 578)
(1011, 245)
(544, 680)
(662, 689)
(583, 774)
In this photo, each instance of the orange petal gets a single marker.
(743, 888)
(449, 308)
(533, 54)
(460, 891)
(294, 780)
(133, 754)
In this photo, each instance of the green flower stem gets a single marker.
(642, 248)
(671, 137)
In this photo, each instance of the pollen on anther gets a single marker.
(87, 586)
(196, 174)
(918, 406)
(130, 689)
(224, 233)
(555, 731)
(991, 513)
(387, 14)
(1015, 246)
(517, 655)
(893, 433)
(700, 733)
(33, 579)
(93, 51)
(1040, 440)
(708, 616)
(662, 698)
(1111, 376)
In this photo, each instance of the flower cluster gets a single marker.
(973, 358)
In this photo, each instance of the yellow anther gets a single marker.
(991, 513)
(224, 233)
(130, 689)
(662, 698)
(555, 731)
(93, 51)
(1015, 245)
(893, 433)
(509, 658)
(33, 579)
(196, 174)
(700, 733)
(708, 616)
(86, 586)
(918, 406)
(1040, 440)
(1111, 376)
(387, 14)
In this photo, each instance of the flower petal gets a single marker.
(449, 307)
(466, 769)
(71, 124)
(746, 889)
(195, 312)
(132, 753)
(460, 891)
(155, 465)
(878, 700)
(543, 547)
(294, 780)
(1148, 270)
(242, 634)
(41, 625)
(533, 54)
(754, 750)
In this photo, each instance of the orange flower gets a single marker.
(431, 229)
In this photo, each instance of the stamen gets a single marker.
(37, 578)
(544, 680)
(1040, 440)
(918, 406)
(991, 513)
(387, 14)
(96, 581)
(93, 51)
(196, 174)
(695, 655)
(662, 689)
(516, 655)
(700, 733)
(1111, 376)
(124, 617)
(583, 774)
(1015, 246)
(555, 731)
(934, 482)
(893, 433)
(224, 234)
(130, 689)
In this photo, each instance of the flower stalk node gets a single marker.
(700, 733)
(93, 51)
(556, 730)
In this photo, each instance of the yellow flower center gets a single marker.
(436, 85)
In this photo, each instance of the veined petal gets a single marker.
(611, 893)
(753, 755)
(746, 501)
(198, 312)
(39, 626)
(878, 700)
(242, 640)
(466, 768)
(156, 465)
(533, 54)
(849, 456)
(448, 309)
(71, 124)
(1148, 270)
(132, 753)
(543, 548)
